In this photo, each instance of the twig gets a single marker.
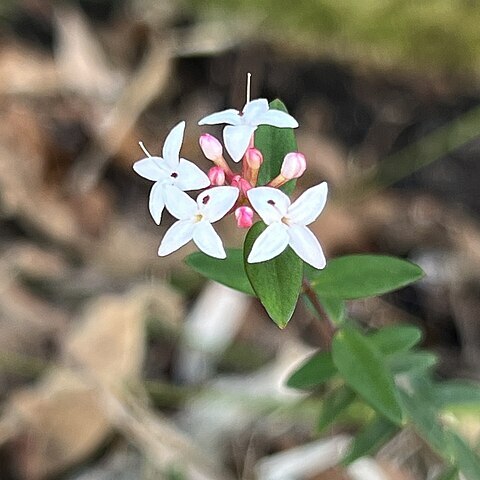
(326, 327)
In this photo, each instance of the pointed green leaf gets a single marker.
(360, 276)
(315, 371)
(276, 282)
(465, 458)
(423, 418)
(334, 403)
(275, 143)
(363, 368)
(455, 393)
(451, 473)
(408, 362)
(335, 308)
(370, 439)
(229, 271)
(396, 338)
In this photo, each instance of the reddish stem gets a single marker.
(325, 326)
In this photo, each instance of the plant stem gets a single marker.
(326, 327)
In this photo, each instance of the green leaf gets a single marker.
(276, 282)
(423, 418)
(229, 271)
(334, 403)
(456, 393)
(335, 309)
(407, 362)
(370, 439)
(451, 473)
(396, 338)
(360, 276)
(275, 143)
(315, 371)
(465, 458)
(363, 368)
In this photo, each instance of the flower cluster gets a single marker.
(225, 191)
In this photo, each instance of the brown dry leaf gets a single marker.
(24, 194)
(63, 419)
(80, 60)
(112, 130)
(340, 229)
(25, 70)
(34, 262)
(58, 422)
(28, 325)
(125, 250)
(336, 473)
(394, 472)
(110, 339)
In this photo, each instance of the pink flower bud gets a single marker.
(293, 165)
(254, 158)
(216, 176)
(210, 146)
(241, 183)
(244, 216)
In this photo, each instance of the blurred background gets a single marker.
(117, 364)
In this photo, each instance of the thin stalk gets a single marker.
(326, 327)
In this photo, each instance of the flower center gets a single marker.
(198, 217)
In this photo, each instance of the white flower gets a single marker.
(169, 170)
(195, 219)
(287, 224)
(241, 126)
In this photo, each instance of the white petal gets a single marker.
(178, 203)
(236, 139)
(276, 118)
(207, 240)
(309, 204)
(173, 143)
(156, 202)
(270, 243)
(190, 177)
(178, 235)
(150, 168)
(230, 116)
(270, 203)
(215, 202)
(254, 110)
(306, 246)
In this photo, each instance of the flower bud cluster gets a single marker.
(225, 191)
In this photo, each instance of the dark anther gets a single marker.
(271, 202)
(174, 175)
(205, 199)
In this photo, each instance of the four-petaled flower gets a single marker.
(287, 224)
(241, 125)
(195, 219)
(169, 170)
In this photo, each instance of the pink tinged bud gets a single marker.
(293, 165)
(254, 158)
(216, 176)
(211, 147)
(241, 183)
(244, 216)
